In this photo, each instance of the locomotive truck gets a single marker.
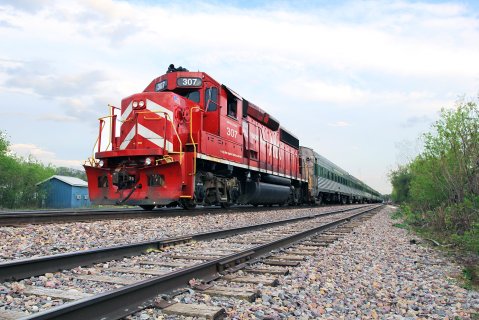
(188, 140)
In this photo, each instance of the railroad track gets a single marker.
(167, 266)
(17, 218)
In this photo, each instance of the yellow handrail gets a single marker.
(102, 125)
(92, 160)
(191, 137)
(167, 116)
(111, 128)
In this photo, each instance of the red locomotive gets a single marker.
(187, 140)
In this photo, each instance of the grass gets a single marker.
(401, 226)
(470, 277)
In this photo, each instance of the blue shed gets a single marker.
(64, 192)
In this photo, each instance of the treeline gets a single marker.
(439, 189)
(19, 176)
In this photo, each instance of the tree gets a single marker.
(18, 178)
(442, 183)
(400, 180)
(64, 171)
(4, 143)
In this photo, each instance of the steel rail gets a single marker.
(22, 218)
(16, 218)
(124, 301)
(25, 268)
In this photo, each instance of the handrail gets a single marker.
(111, 128)
(191, 137)
(167, 117)
(102, 125)
(112, 118)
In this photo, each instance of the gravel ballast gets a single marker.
(39, 240)
(374, 272)
(371, 273)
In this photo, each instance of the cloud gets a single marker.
(51, 85)
(26, 150)
(57, 118)
(352, 96)
(317, 90)
(413, 43)
(6, 24)
(398, 59)
(25, 5)
(77, 95)
(339, 124)
(415, 120)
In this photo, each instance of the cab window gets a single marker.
(211, 99)
(232, 106)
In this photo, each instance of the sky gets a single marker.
(358, 81)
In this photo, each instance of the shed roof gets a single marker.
(76, 182)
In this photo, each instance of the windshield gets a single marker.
(193, 95)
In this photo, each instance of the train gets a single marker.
(189, 140)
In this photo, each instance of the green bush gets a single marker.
(439, 189)
(469, 240)
(18, 178)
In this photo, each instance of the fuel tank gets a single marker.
(265, 193)
(276, 180)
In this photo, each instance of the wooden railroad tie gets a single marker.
(302, 252)
(267, 281)
(195, 310)
(173, 264)
(315, 243)
(153, 272)
(256, 241)
(106, 279)
(55, 293)
(289, 257)
(12, 314)
(282, 271)
(274, 262)
(180, 256)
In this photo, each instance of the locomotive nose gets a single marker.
(147, 122)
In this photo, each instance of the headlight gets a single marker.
(141, 103)
(135, 104)
(101, 163)
(148, 161)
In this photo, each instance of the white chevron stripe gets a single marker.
(154, 138)
(128, 138)
(153, 106)
(142, 130)
(125, 114)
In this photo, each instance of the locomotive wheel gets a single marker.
(187, 204)
(172, 205)
(148, 207)
(225, 205)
